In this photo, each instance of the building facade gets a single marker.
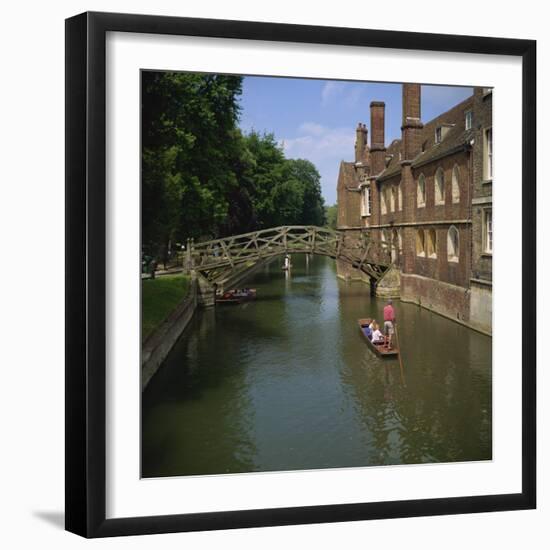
(428, 196)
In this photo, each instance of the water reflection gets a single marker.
(288, 383)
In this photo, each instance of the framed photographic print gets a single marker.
(294, 294)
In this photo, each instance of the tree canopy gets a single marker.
(201, 177)
(331, 214)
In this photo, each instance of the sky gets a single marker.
(316, 119)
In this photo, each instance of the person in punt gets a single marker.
(389, 320)
(377, 336)
(368, 331)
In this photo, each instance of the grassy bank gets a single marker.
(159, 297)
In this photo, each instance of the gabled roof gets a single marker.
(347, 177)
(394, 166)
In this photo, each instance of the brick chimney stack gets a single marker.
(360, 142)
(377, 139)
(411, 145)
(412, 121)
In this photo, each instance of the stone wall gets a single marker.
(481, 307)
(347, 272)
(449, 300)
(389, 285)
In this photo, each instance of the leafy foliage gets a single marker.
(331, 215)
(201, 177)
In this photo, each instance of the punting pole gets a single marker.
(399, 354)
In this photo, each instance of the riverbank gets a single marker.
(167, 306)
(159, 297)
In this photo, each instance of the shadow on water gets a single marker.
(286, 382)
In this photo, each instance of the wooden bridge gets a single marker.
(217, 259)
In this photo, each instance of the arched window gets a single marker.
(453, 244)
(389, 205)
(439, 187)
(393, 198)
(431, 243)
(420, 243)
(455, 185)
(421, 191)
(383, 203)
(399, 197)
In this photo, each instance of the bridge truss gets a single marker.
(217, 259)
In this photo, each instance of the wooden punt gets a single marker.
(236, 296)
(377, 348)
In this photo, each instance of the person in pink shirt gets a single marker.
(389, 320)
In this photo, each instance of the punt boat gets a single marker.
(236, 296)
(377, 348)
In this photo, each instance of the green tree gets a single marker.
(202, 178)
(313, 204)
(331, 216)
(284, 191)
(192, 153)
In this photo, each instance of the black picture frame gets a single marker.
(86, 278)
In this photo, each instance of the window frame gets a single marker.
(420, 238)
(468, 119)
(366, 204)
(400, 197)
(486, 215)
(454, 258)
(439, 189)
(455, 184)
(431, 242)
(385, 200)
(419, 204)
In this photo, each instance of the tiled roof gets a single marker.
(455, 138)
(394, 166)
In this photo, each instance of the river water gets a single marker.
(287, 383)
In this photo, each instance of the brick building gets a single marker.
(428, 195)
